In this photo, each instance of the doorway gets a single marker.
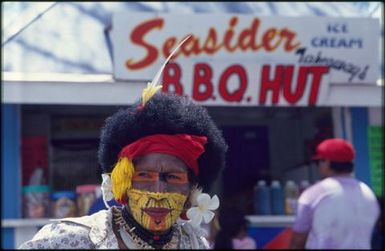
(247, 161)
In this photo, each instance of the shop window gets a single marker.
(74, 145)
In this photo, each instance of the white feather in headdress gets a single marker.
(153, 86)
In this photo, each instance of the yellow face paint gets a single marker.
(155, 211)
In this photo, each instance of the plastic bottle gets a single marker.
(36, 201)
(303, 185)
(262, 199)
(291, 197)
(277, 198)
(64, 204)
(86, 195)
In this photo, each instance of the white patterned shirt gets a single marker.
(95, 232)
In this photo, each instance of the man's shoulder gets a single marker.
(88, 221)
(322, 186)
(196, 236)
(71, 232)
(313, 191)
(367, 191)
(60, 235)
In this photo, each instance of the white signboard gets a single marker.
(246, 59)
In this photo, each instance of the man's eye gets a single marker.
(172, 177)
(143, 174)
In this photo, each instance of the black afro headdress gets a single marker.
(164, 114)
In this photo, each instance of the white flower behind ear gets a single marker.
(204, 209)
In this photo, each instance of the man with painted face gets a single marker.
(155, 175)
(158, 155)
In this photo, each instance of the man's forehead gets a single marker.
(159, 162)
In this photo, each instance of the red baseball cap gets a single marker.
(337, 150)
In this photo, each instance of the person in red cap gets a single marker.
(158, 156)
(338, 212)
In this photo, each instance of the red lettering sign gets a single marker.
(284, 75)
(171, 76)
(137, 37)
(202, 78)
(247, 39)
(276, 82)
(237, 95)
(296, 95)
(272, 85)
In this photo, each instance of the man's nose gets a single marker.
(160, 186)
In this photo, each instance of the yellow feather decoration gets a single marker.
(121, 178)
(149, 91)
(153, 87)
